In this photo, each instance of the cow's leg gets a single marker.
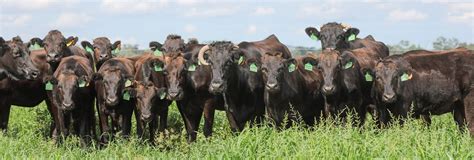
(103, 124)
(139, 123)
(5, 107)
(191, 120)
(208, 117)
(61, 126)
(152, 130)
(54, 133)
(469, 111)
(163, 120)
(126, 123)
(426, 119)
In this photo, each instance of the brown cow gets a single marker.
(102, 49)
(73, 96)
(15, 62)
(111, 81)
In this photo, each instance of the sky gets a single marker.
(142, 21)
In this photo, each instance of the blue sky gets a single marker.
(141, 21)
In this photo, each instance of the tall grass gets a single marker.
(29, 127)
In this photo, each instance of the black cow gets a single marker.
(15, 62)
(74, 96)
(292, 88)
(241, 88)
(111, 81)
(102, 49)
(342, 37)
(426, 84)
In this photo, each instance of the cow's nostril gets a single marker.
(34, 74)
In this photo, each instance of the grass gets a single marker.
(28, 128)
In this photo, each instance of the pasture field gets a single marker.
(28, 129)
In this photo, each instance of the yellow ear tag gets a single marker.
(70, 43)
(128, 83)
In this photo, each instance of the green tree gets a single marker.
(402, 47)
(443, 43)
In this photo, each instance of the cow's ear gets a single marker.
(312, 33)
(83, 81)
(117, 45)
(71, 41)
(87, 46)
(3, 46)
(369, 74)
(53, 80)
(154, 45)
(96, 77)
(406, 75)
(351, 34)
(131, 91)
(347, 60)
(253, 64)
(35, 43)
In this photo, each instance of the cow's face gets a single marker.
(56, 45)
(173, 44)
(15, 61)
(66, 85)
(273, 68)
(332, 35)
(175, 72)
(222, 57)
(102, 48)
(390, 76)
(330, 65)
(145, 93)
(113, 82)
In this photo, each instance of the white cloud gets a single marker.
(34, 4)
(406, 15)
(71, 20)
(211, 11)
(187, 2)
(461, 13)
(264, 11)
(133, 6)
(15, 20)
(251, 29)
(190, 28)
(330, 9)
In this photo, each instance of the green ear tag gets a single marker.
(351, 37)
(368, 77)
(163, 95)
(82, 84)
(192, 68)
(292, 67)
(241, 59)
(253, 67)
(126, 96)
(405, 77)
(116, 51)
(128, 83)
(314, 37)
(35, 46)
(158, 68)
(348, 65)
(48, 86)
(308, 66)
(89, 50)
(158, 53)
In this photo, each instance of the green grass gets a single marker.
(27, 139)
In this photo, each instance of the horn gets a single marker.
(201, 55)
(236, 46)
(345, 26)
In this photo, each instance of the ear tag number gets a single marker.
(241, 59)
(126, 96)
(368, 77)
(352, 37)
(308, 66)
(253, 67)
(192, 68)
(291, 67)
(348, 65)
(157, 52)
(48, 86)
(314, 37)
(128, 83)
(406, 77)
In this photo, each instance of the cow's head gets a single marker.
(175, 71)
(273, 68)
(222, 56)
(102, 48)
(56, 46)
(333, 35)
(390, 75)
(65, 88)
(15, 61)
(114, 80)
(145, 94)
(173, 44)
(330, 64)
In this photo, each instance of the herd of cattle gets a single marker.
(249, 81)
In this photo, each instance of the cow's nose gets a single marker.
(388, 97)
(216, 85)
(34, 74)
(103, 56)
(328, 89)
(272, 85)
(173, 94)
(146, 117)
